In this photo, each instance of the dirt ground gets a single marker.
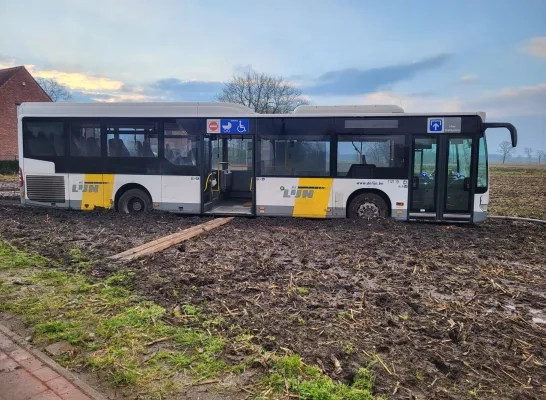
(445, 312)
(9, 189)
(518, 191)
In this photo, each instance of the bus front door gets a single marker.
(441, 186)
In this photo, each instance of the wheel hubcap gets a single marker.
(368, 211)
(136, 205)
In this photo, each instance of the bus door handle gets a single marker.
(415, 182)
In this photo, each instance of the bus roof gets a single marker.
(207, 110)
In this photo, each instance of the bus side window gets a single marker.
(368, 150)
(85, 139)
(132, 140)
(180, 146)
(43, 139)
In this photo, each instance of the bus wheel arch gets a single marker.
(369, 204)
(133, 198)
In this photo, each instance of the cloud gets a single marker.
(420, 103)
(536, 47)
(523, 101)
(353, 81)
(243, 69)
(90, 88)
(77, 80)
(7, 61)
(193, 90)
(516, 101)
(468, 78)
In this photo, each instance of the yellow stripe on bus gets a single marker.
(98, 191)
(312, 198)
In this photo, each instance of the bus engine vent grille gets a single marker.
(48, 189)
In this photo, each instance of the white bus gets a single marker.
(225, 159)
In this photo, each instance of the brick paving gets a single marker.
(25, 377)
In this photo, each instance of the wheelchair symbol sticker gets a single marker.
(234, 125)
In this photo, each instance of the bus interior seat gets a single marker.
(117, 148)
(93, 148)
(169, 153)
(147, 150)
(45, 145)
(140, 151)
(361, 171)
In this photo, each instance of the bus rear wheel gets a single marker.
(368, 206)
(134, 201)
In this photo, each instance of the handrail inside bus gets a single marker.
(507, 125)
(207, 181)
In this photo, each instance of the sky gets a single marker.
(426, 56)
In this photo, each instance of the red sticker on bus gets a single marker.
(213, 126)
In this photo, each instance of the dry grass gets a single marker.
(9, 178)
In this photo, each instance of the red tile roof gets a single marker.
(6, 74)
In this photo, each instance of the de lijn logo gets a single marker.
(297, 192)
(92, 187)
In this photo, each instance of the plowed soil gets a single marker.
(521, 192)
(442, 311)
(8, 189)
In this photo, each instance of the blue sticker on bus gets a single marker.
(435, 125)
(235, 126)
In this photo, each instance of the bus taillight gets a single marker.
(21, 180)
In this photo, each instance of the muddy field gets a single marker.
(446, 312)
(8, 189)
(518, 192)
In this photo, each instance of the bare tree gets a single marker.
(528, 152)
(541, 154)
(262, 93)
(506, 149)
(54, 89)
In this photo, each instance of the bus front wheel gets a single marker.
(134, 201)
(368, 206)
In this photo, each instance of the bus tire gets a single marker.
(368, 206)
(134, 201)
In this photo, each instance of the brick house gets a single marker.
(16, 86)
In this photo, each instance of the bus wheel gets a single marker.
(368, 206)
(134, 201)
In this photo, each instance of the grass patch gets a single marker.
(129, 341)
(291, 376)
(111, 329)
(12, 258)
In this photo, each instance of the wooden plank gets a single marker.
(156, 241)
(181, 236)
(187, 235)
(169, 240)
(164, 245)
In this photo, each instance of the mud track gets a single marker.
(441, 311)
(9, 190)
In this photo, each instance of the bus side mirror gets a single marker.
(511, 128)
